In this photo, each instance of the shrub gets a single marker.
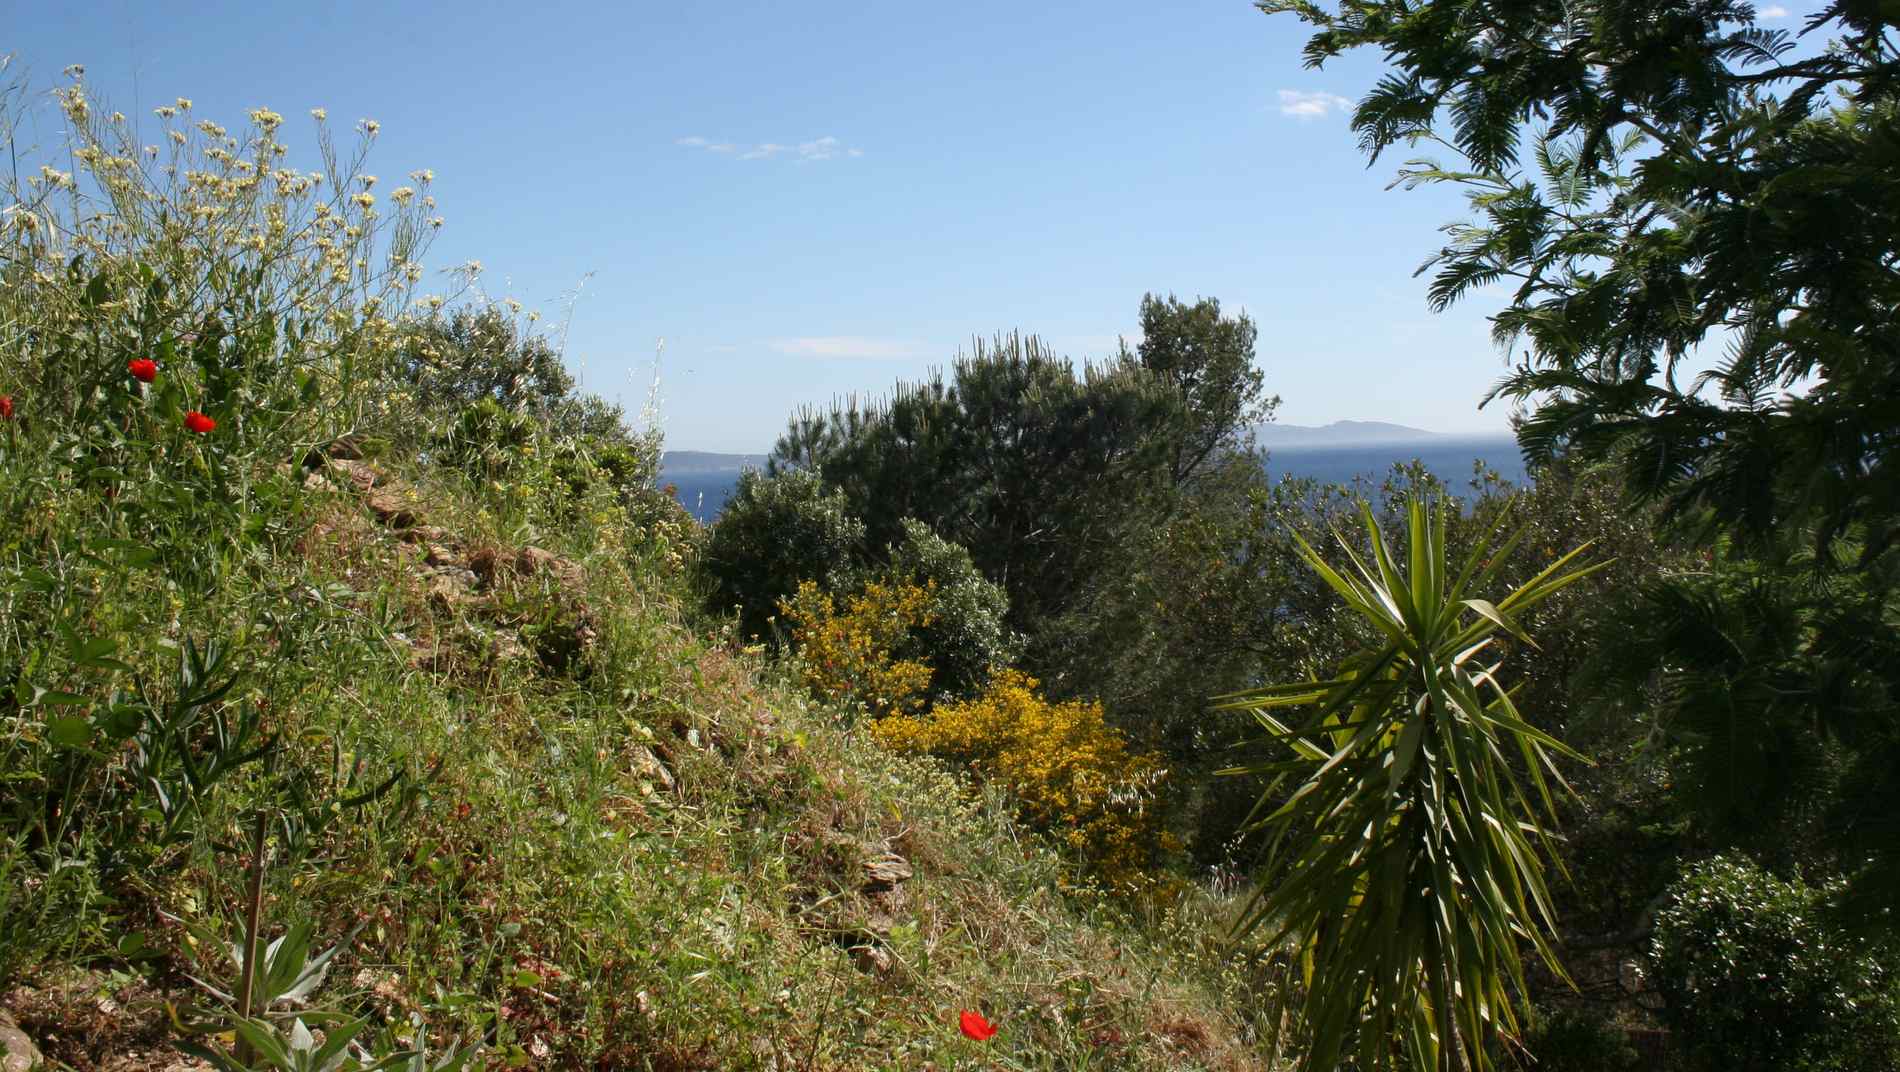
(486, 440)
(479, 352)
(1068, 770)
(262, 294)
(846, 645)
(1571, 1040)
(968, 635)
(775, 532)
(1757, 978)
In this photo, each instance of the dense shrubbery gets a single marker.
(847, 645)
(968, 634)
(1758, 976)
(1069, 771)
(1569, 1040)
(1698, 228)
(775, 532)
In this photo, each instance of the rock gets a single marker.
(348, 448)
(879, 922)
(534, 560)
(17, 1052)
(886, 871)
(456, 575)
(360, 475)
(871, 960)
(391, 508)
(646, 764)
(439, 555)
(447, 593)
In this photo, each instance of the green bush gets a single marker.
(969, 634)
(485, 440)
(1756, 977)
(489, 352)
(1570, 1040)
(775, 532)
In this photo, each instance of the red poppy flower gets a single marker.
(143, 369)
(199, 423)
(975, 1027)
(6, 407)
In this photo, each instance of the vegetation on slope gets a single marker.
(285, 547)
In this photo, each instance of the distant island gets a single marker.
(1344, 434)
(1338, 452)
(684, 462)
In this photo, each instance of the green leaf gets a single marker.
(1491, 613)
(69, 731)
(120, 721)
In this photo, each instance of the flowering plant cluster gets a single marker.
(229, 286)
(846, 646)
(1068, 770)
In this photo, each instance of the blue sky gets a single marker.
(810, 199)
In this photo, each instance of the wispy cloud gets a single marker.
(1317, 104)
(697, 142)
(1774, 11)
(825, 148)
(847, 346)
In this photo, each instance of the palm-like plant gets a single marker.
(1411, 854)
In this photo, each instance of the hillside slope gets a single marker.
(350, 715)
(614, 843)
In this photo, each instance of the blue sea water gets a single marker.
(1450, 460)
(703, 491)
(703, 494)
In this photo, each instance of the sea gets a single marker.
(704, 482)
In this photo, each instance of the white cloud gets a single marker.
(825, 148)
(1774, 11)
(697, 142)
(847, 346)
(1302, 104)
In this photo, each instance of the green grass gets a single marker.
(651, 858)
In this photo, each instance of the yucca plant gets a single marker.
(1408, 861)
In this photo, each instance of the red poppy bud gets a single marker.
(143, 369)
(975, 1027)
(6, 407)
(199, 423)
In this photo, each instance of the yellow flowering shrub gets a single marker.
(846, 650)
(1070, 772)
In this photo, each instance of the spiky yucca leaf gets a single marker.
(1411, 854)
